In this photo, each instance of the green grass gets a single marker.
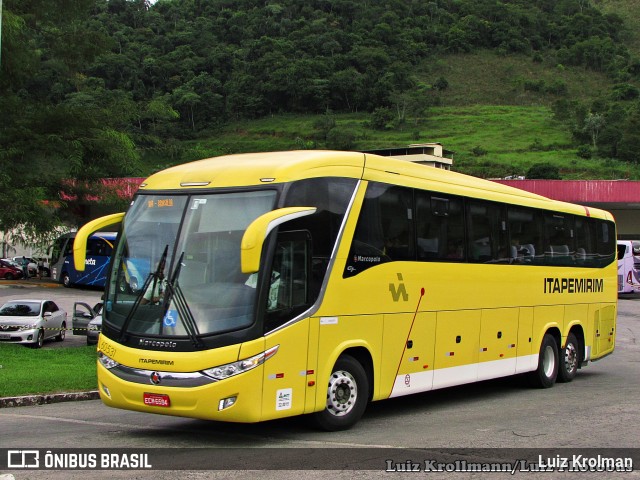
(484, 78)
(515, 138)
(25, 371)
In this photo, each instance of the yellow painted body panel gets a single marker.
(285, 375)
(339, 333)
(399, 358)
(498, 334)
(524, 344)
(604, 331)
(257, 169)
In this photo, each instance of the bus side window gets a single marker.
(68, 247)
(605, 242)
(559, 239)
(385, 229)
(440, 227)
(525, 230)
(487, 232)
(585, 242)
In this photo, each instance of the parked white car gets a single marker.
(31, 265)
(31, 322)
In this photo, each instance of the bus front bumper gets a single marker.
(235, 399)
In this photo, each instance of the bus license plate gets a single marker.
(156, 400)
(5, 336)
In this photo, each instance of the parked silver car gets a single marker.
(31, 322)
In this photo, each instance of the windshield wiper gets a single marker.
(174, 293)
(155, 277)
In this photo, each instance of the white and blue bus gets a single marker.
(99, 248)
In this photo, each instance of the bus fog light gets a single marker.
(106, 391)
(226, 402)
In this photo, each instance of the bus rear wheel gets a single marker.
(570, 360)
(347, 396)
(65, 279)
(548, 363)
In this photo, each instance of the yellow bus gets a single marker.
(313, 282)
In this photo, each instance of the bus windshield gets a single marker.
(177, 265)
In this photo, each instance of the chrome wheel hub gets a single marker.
(342, 393)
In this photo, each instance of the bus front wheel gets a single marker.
(548, 363)
(347, 396)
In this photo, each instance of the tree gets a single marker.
(57, 121)
(593, 124)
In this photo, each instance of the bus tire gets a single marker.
(65, 280)
(548, 363)
(347, 396)
(569, 360)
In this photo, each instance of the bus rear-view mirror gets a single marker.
(256, 233)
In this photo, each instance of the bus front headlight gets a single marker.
(107, 362)
(231, 369)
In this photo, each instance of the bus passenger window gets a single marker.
(487, 232)
(559, 239)
(440, 227)
(384, 231)
(525, 230)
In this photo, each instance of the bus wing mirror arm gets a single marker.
(82, 235)
(257, 232)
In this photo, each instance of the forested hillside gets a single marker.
(108, 88)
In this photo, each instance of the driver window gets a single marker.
(288, 291)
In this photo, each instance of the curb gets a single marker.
(29, 283)
(30, 400)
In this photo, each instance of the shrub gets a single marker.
(584, 151)
(478, 151)
(340, 139)
(544, 171)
